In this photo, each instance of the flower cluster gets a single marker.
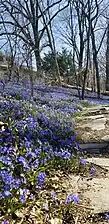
(72, 198)
(29, 141)
(33, 136)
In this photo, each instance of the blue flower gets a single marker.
(72, 198)
(93, 171)
(56, 203)
(16, 184)
(37, 151)
(6, 177)
(107, 216)
(30, 154)
(5, 222)
(7, 187)
(41, 178)
(35, 164)
(32, 197)
(22, 198)
(4, 150)
(7, 193)
(28, 144)
(7, 160)
(53, 195)
(83, 161)
(22, 160)
(64, 155)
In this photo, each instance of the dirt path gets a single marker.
(92, 127)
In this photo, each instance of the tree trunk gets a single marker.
(97, 74)
(86, 69)
(81, 59)
(107, 61)
(58, 78)
(38, 59)
(95, 61)
(94, 81)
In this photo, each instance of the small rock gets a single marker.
(98, 194)
(103, 162)
(105, 138)
(56, 221)
(94, 117)
(98, 124)
(93, 145)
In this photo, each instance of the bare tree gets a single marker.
(11, 43)
(82, 25)
(93, 7)
(31, 30)
(107, 59)
(75, 33)
(51, 41)
(88, 30)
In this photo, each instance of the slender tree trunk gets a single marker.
(107, 61)
(89, 76)
(38, 59)
(35, 26)
(94, 81)
(95, 61)
(51, 40)
(81, 60)
(17, 75)
(88, 30)
(53, 48)
(57, 70)
(86, 70)
(97, 74)
(79, 93)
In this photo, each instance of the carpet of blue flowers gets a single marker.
(36, 136)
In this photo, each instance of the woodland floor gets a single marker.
(92, 127)
(91, 182)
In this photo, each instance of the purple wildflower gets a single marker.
(22, 198)
(7, 193)
(57, 203)
(107, 216)
(32, 197)
(72, 198)
(83, 161)
(4, 150)
(5, 222)
(53, 195)
(93, 171)
(41, 178)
